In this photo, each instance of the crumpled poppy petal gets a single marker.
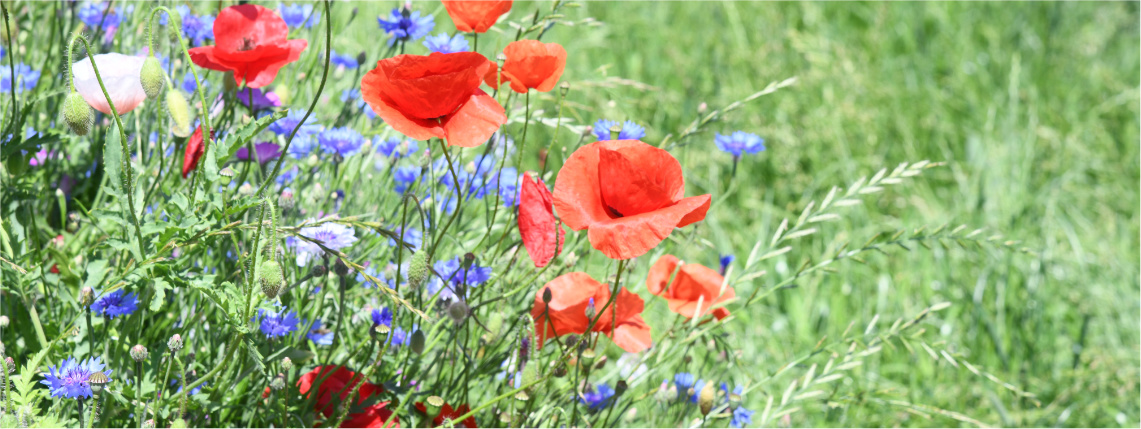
(661, 274)
(691, 284)
(475, 121)
(633, 335)
(235, 25)
(475, 16)
(570, 294)
(120, 75)
(541, 232)
(194, 150)
(341, 381)
(633, 236)
(626, 189)
(375, 416)
(260, 73)
(251, 41)
(415, 128)
(431, 86)
(697, 214)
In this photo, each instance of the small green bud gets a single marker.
(278, 382)
(175, 343)
(286, 364)
(179, 110)
(178, 424)
(86, 296)
(139, 353)
(458, 312)
(340, 268)
(78, 114)
(418, 269)
(418, 341)
(270, 277)
(151, 77)
(530, 374)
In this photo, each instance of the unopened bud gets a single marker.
(175, 343)
(601, 362)
(270, 277)
(560, 371)
(587, 358)
(178, 424)
(179, 111)
(149, 424)
(458, 312)
(78, 115)
(286, 364)
(174, 26)
(10, 364)
(620, 387)
(418, 269)
(278, 382)
(530, 374)
(590, 310)
(86, 296)
(417, 341)
(246, 189)
(151, 77)
(4, 321)
(139, 353)
(706, 397)
(340, 268)
(564, 88)
(361, 57)
(318, 271)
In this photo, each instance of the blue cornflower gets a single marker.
(725, 261)
(295, 15)
(453, 272)
(284, 126)
(276, 324)
(683, 381)
(739, 142)
(399, 336)
(405, 177)
(197, 28)
(91, 14)
(630, 130)
(115, 304)
(382, 316)
(194, 391)
(742, 417)
(319, 335)
(342, 141)
(188, 83)
(508, 184)
(350, 94)
(303, 145)
(69, 380)
(346, 61)
(406, 25)
(412, 236)
(446, 45)
(598, 397)
(395, 147)
(332, 235)
(26, 78)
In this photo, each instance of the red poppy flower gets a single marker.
(341, 381)
(376, 416)
(530, 64)
(194, 151)
(692, 285)
(627, 194)
(542, 234)
(436, 95)
(249, 40)
(571, 294)
(475, 16)
(447, 412)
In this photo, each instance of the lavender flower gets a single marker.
(115, 304)
(284, 126)
(395, 147)
(332, 235)
(265, 152)
(69, 380)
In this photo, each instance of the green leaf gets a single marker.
(248, 131)
(210, 166)
(255, 355)
(180, 201)
(96, 270)
(160, 294)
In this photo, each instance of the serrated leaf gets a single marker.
(159, 298)
(179, 201)
(96, 270)
(247, 132)
(255, 355)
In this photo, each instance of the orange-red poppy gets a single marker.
(375, 416)
(249, 40)
(435, 95)
(530, 64)
(692, 285)
(542, 234)
(627, 194)
(194, 151)
(340, 381)
(449, 413)
(572, 293)
(475, 16)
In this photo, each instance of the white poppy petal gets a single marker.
(120, 74)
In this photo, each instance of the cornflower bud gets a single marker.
(78, 114)
(175, 343)
(139, 353)
(318, 271)
(286, 364)
(151, 77)
(86, 296)
(270, 277)
(590, 310)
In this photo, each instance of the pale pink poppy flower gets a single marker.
(120, 74)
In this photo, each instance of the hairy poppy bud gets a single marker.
(418, 269)
(706, 397)
(174, 26)
(175, 343)
(151, 77)
(77, 113)
(139, 353)
(286, 364)
(340, 268)
(179, 111)
(417, 341)
(458, 312)
(530, 374)
(285, 200)
(270, 277)
(560, 370)
(86, 296)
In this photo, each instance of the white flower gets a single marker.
(120, 74)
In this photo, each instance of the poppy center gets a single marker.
(247, 45)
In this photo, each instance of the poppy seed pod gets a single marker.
(179, 110)
(151, 77)
(458, 312)
(97, 381)
(418, 269)
(270, 277)
(417, 342)
(522, 396)
(379, 332)
(78, 114)
(587, 358)
(433, 405)
(139, 353)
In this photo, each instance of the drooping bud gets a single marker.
(417, 342)
(318, 272)
(530, 374)
(151, 77)
(97, 381)
(175, 343)
(78, 115)
(418, 269)
(547, 295)
(179, 111)
(86, 296)
(286, 364)
(601, 362)
(173, 27)
(340, 268)
(278, 382)
(270, 277)
(458, 312)
(139, 353)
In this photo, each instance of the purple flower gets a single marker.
(298, 15)
(284, 126)
(97, 14)
(405, 177)
(739, 143)
(332, 235)
(382, 316)
(725, 261)
(453, 272)
(26, 78)
(276, 324)
(188, 83)
(446, 45)
(263, 99)
(630, 130)
(395, 147)
(405, 25)
(598, 397)
(342, 141)
(69, 380)
(265, 151)
(742, 417)
(115, 304)
(346, 61)
(319, 335)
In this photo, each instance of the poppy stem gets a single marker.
(12, 65)
(459, 199)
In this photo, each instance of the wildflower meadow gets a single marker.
(569, 214)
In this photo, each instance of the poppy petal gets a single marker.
(542, 235)
(697, 214)
(475, 121)
(661, 273)
(475, 16)
(632, 236)
(633, 336)
(626, 190)
(415, 128)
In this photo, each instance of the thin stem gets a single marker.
(12, 66)
(459, 199)
(80, 402)
(139, 392)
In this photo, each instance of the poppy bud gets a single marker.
(418, 269)
(270, 277)
(433, 405)
(178, 424)
(278, 382)
(340, 268)
(601, 362)
(469, 258)
(97, 381)
(174, 25)
(175, 343)
(458, 312)
(246, 189)
(418, 341)
(4, 321)
(705, 399)
(86, 296)
(318, 271)
(560, 370)
(547, 295)
(179, 111)
(151, 77)
(530, 374)
(361, 57)
(72, 222)
(77, 113)
(285, 200)
(139, 353)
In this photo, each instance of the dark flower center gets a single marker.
(247, 45)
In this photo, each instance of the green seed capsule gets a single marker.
(151, 77)
(78, 114)
(418, 269)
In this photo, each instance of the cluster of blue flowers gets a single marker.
(25, 80)
(299, 15)
(343, 141)
(97, 15)
(195, 28)
(598, 397)
(689, 387)
(454, 277)
(405, 25)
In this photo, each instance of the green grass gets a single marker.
(1033, 108)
